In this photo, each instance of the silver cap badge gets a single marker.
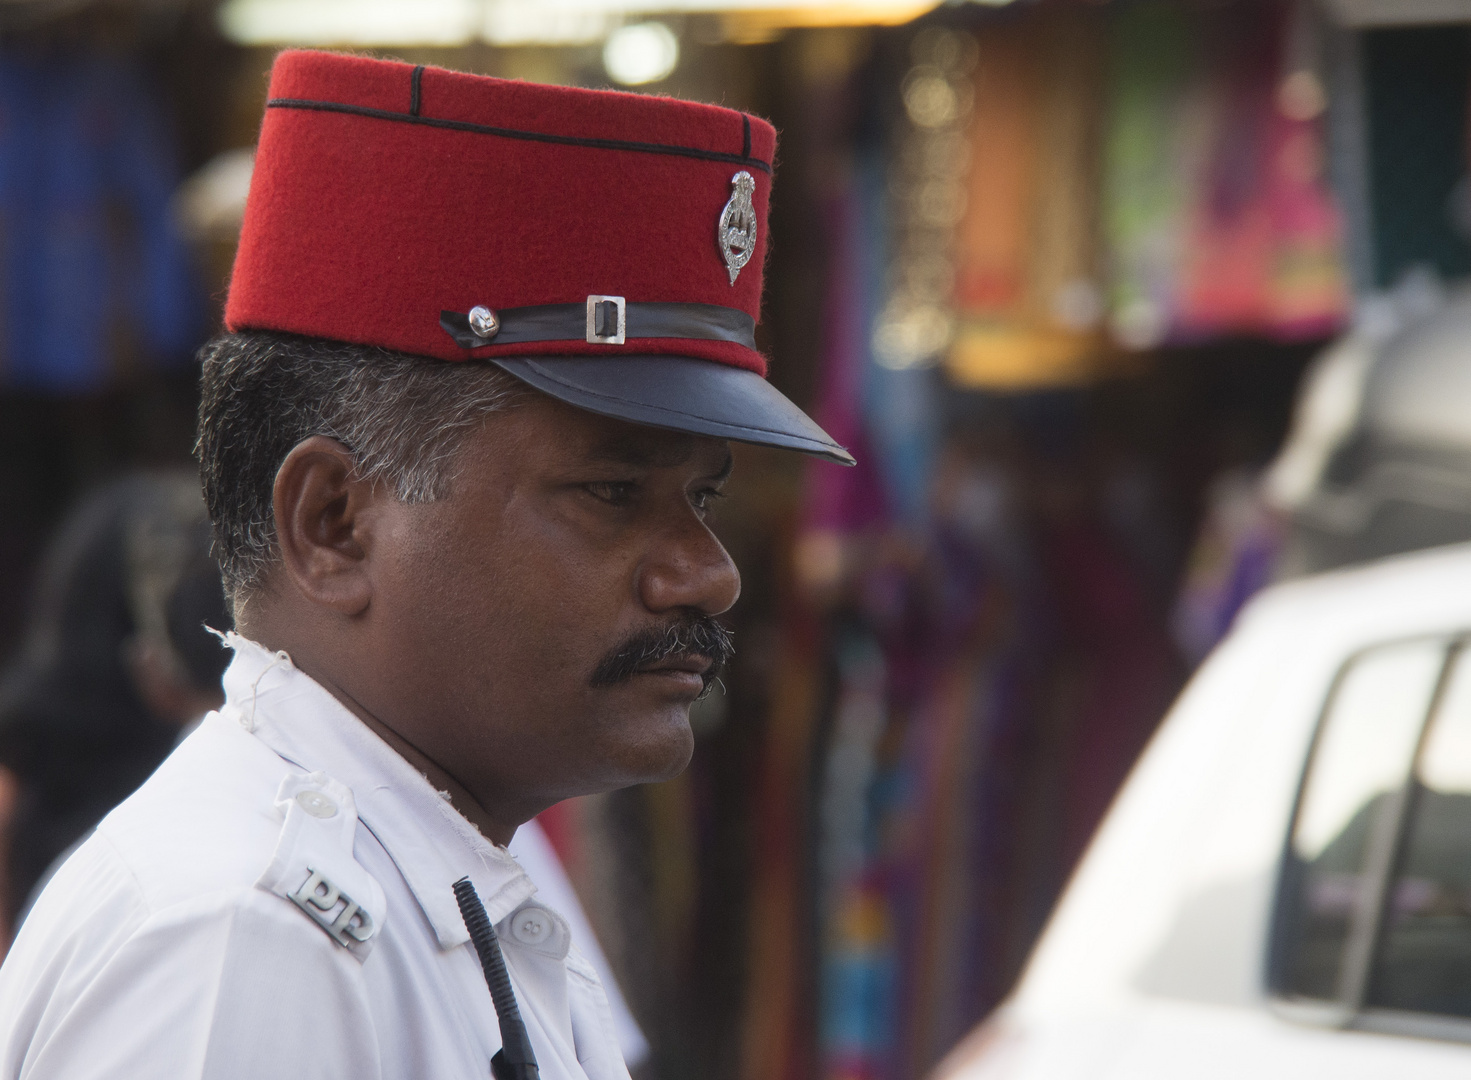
(736, 234)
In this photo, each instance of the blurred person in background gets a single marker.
(114, 664)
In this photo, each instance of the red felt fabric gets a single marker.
(363, 229)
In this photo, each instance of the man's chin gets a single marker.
(656, 745)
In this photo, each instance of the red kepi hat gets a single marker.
(604, 247)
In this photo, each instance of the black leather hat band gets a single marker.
(606, 320)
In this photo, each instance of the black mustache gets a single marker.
(699, 635)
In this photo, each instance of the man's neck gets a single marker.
(498, 829)
(497, 832)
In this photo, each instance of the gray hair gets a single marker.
(403, 418)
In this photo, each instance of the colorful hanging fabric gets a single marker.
(963, 685)
(1152, 152)
(993, 254)
(1217, 212)
(1119, 668)
(858, 1009)
(1263, 241)
(845, 500)
(1027, 286)
(779, 991)
(93, 271)
(787, 1031)
(898, 405)
(1311, 292)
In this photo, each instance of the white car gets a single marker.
(1283, 887)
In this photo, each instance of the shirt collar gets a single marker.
(432, 844)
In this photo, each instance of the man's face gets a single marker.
(522, 615)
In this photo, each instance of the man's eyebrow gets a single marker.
(727, 466)
(656, 454)
(649, 453)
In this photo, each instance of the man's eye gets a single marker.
(705, 498)
(616, 492)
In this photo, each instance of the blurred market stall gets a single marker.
(1052, 268)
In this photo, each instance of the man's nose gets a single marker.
(689, 568)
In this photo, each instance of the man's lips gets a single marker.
(686, 672)
(690, 663)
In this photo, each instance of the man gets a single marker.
(487, 343)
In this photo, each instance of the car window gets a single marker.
(1349, 816)
(1423, 961)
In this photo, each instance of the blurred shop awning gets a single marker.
(529, 22)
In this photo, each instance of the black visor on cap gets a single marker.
(680, 393)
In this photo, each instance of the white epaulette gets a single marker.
(313, 865)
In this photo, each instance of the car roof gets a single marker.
(1426, 591)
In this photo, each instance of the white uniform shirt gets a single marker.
(169, 945)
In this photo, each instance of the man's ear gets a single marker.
(324, 525)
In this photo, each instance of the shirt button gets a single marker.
(316, 804)
(531, 927)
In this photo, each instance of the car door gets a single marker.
(1356, 964)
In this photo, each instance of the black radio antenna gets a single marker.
(514, 1060)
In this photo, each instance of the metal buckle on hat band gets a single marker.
(607, 320)
(601, 320)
